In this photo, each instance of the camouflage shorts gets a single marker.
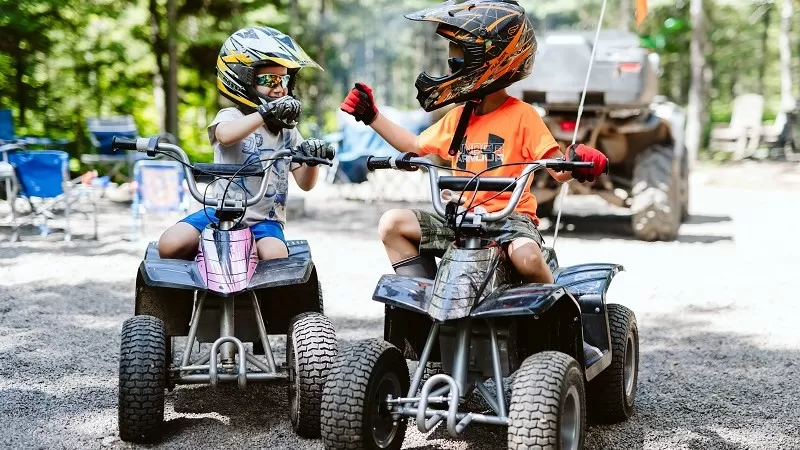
(436, 237)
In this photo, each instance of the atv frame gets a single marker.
(482, 323)
(225, 297)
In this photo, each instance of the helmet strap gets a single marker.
(461, 128)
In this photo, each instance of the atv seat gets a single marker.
(296, 248)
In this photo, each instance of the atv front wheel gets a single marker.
(354, 413)
(142, 379)
(611, 396)
(656, 195)
(310, 352)
(548, 406)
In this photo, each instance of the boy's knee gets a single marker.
(396, 223)
(527, 258)
(176, 243)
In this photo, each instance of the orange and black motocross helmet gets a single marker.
(251, 47)
(498, 43)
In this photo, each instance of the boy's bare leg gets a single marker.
(400, 233)
(527, 258)
(271, 248)
(179, 241)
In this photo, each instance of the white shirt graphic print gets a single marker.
(258, 145)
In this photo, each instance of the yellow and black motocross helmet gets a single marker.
(498, 43)
(249, 48)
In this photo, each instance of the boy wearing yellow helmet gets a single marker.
(256, 69)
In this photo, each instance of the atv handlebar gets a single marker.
(408, 161)
(151, 146)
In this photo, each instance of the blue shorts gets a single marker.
(267, 228)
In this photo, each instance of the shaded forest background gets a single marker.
(63, 61)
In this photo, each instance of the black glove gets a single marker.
(316, 148)
(281, 113)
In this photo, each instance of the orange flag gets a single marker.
(641, 11)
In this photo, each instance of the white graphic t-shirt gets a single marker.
(258, 145)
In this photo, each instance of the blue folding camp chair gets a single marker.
(159, 187)
(9, 142)
(101, 132)
(42, 178)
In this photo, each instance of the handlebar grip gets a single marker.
(379, 162)
(122, 143)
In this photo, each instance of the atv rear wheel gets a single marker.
(548, 405)
(354, 414)
(612, 394)
(656, 195)
(310, 352)
(142, 379)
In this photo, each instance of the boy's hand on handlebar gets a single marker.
(360, 104)
(580, 152)
(315, 149)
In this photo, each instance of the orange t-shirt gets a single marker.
(512, 133)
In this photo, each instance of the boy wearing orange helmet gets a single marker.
(492, 45)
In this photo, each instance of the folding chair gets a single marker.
(101, 133)
(742, 136)
(159, 187)
(42, 178)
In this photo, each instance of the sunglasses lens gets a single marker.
(272, 81)
(455, 64)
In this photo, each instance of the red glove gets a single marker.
(360, 104)
(580, 152)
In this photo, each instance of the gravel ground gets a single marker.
(719, 348)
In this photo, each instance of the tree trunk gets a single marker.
(762, 67)
(172, 76)
(787, 97)
(20, 64)
(695, 114)
(158, 45)
(319, 102)
(625, 15)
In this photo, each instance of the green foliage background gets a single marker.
(62, 61)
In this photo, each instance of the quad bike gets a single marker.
(640, 132)
(226, 297)
(480, 322)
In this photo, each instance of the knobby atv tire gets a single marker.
(310, 352)
(351, 398)
(607, 397)
(142, 379)
(539, 395)
(656, 197)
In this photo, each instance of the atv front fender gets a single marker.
(408, 293)
(522, 300)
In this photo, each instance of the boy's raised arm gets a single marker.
(360, 104)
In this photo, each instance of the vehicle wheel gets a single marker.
(353, 413)
(656, 198)
(548, 405)
(142, 379)
(310, 352)
(612, 394)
